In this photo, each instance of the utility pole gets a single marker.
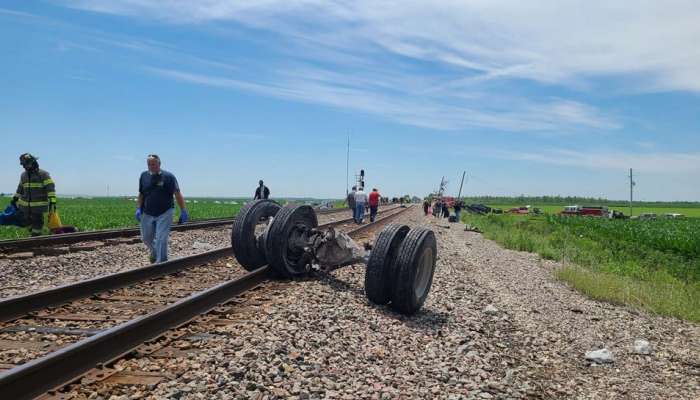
(347, 169)
(632, 183)
(441, 191)
(460, 185)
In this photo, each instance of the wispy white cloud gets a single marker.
(562, 42)
(423, 111)
(657, 162)
(16, 13)
(347, 55)
(65, 45)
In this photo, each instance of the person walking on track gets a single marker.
(374, 197)
(155, 208)
(261, 192)
(360, 202)
(351, 202)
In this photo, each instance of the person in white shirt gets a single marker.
(360, 202)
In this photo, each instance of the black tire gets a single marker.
(245, 244)
(292, 221)
(380, 276)
(415, 266)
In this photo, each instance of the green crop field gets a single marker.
(653, 264)
(111, 212)
(659, 211)
(89, 214)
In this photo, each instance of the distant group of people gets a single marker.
(440, 208)
(358, 201)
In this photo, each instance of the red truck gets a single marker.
(520, 210)
(587, 211)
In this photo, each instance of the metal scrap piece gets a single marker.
(332, 249)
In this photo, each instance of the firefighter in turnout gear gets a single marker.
(36, 194)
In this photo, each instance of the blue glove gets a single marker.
(138, 214)
(184, 217)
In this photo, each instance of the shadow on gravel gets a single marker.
(425, 320)
(338, 284)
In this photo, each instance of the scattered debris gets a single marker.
(472, 228)
(204, 246)
(641, 346)
(602, 356)
(490, 309)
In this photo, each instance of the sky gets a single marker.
(534, 98)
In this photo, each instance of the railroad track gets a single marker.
(56, 244)
(97, 321)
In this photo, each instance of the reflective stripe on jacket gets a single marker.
(35, 191)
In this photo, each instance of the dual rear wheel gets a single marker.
(401, 268)
(399, 271)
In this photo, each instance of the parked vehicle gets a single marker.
(594, 211)
(587, 211)
(520, 210)
(571, 210)
(614, 214)
(673, 215)
(478, 208)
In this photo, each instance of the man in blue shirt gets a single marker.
(155, 208)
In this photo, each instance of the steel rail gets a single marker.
(70, 238)
(55, 369)
(67, 364)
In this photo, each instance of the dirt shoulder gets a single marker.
(554, 326)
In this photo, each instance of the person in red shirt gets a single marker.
(374, 198)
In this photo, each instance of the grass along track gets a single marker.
(649, 264)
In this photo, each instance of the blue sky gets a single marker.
(528, 97)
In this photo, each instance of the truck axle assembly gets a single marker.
(399, 267)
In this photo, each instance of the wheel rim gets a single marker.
(425, 269)
(295, 251)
